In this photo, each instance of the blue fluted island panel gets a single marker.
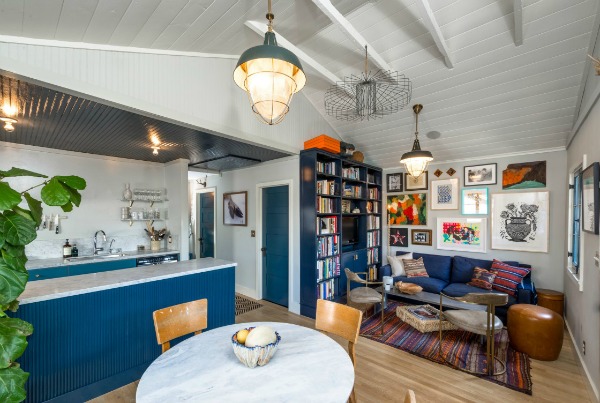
(94, 332)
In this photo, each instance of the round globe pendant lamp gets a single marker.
(416, 161)
(270, 75)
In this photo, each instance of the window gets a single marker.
(576, 221)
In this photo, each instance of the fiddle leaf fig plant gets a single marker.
(20, 215)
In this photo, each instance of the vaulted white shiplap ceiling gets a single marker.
(498, 98)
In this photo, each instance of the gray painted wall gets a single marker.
(548, 267)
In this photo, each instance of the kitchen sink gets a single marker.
(80, 258)
(95, 257)
(112, 255)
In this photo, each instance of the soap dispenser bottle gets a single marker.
(66, 249)
(74, 251)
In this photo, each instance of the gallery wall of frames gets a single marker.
(506, 208)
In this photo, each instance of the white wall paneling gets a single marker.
(176, 183)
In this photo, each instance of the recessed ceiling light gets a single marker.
(433, 135)
(155, 152)
(8, 124)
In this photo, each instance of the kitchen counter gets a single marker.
(55, 262)
(37, 291)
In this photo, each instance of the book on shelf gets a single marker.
(329, 267)
(327, 246)
(325, 205)
(373, 239)
(351, 173)
(352, 190)
(374, 193)
(326, 225)
(373, 222)
(372, 273)
(326, 289)
(370, 178)
(372, 256)
(327, 187)
(346, 206)
(326, 167)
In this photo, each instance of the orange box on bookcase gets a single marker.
(324, 142)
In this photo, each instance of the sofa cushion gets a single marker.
(460, 289)
(414, 268)
(508, 277)
(462, 268)
(429, 284)
(482, 278)
(397, 264)
(437, 266)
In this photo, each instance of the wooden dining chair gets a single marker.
(343, 321)
(410, 397)
(179, 320)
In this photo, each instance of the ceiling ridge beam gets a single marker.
(434, 29)
(342, 23)
(518, 14)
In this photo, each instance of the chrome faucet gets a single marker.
(96, 249)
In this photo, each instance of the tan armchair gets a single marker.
(366, 294)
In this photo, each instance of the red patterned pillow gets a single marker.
(482, 278)
(507, 277)
(415, 267)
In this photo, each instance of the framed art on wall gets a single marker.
(590, 195)
(478, 175)
(463, 234)
(444, 194)
(420, 183)
(394, 182)
(474, 201)
(399, 237)
(524, 175)
(407, 209)
(520, 221)
(420, 237)
(235, 208)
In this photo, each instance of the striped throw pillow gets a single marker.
(415, 268)
(507, 277)
(482, 278)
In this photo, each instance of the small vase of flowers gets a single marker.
(156, 236)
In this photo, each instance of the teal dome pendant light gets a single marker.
(270, 75)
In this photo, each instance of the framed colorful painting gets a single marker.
(444, 194)
(524, 175)
(474, 201)
(520, 221)
(407, 209)
(399, 237)
(462, 234)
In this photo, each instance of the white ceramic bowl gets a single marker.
(253, 356)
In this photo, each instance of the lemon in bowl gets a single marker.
(255, 345)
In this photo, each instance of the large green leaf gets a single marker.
(12, 345)
(17, 229)
(15, 326)
(15, 262)
(12, 283)
(67, 207)
(75, 182)
(75, 196)
(12, 250)
(20, 172)
(36, 208)
(12, 384)
(9, 197)
(23, 212)
(54, 193)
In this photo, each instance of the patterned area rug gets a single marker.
(243, 305)
(460, 344)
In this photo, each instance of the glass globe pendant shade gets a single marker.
(416, 163)
(270, 75)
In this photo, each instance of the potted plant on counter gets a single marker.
(156, 236)
(20, 215)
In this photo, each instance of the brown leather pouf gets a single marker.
(535, 331)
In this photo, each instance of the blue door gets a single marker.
(206, 220)
(275, 244)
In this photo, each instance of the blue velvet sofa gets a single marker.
(451, 274)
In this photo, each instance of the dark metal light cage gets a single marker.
(368, 96)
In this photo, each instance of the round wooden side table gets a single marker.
(554, 300)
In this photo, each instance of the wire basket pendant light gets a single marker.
(416, 161)
(368, 96)
(270, 75)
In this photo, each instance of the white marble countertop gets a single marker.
(55, 262)
(37, 291)
(308, 366)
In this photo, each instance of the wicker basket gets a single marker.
(423, 326)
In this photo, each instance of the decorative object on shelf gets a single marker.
(525, 175)
(420, 237)
(407, 209)
(416, 160)
(368, 96)
(596, 64)
(520, 221)
(412, 183)
(444, 194)
(462, 234)
(346, 206)
(127, 193)
(270, 75)
(394, 182)
(156, 236)
(356, 210)
(358, 156)
(477, 175)
(451, 171)
(235, 208)
(399, 237)
(438, 173)
(346, 149)
(475, 201)
(324, 142)
(590, 195)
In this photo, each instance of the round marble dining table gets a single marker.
(308, 366)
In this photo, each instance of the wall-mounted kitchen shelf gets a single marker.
(151, 220)
(143, 201)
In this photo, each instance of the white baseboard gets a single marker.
(587, 373)
(240, 289)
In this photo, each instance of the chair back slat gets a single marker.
(338, 319)
(179, 320)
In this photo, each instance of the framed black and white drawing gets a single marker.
(235, 208)
(394, 182)
(520, 221)
(478, 175)
(444, 194)
(399, 237)
(419, 183)
(590, 195)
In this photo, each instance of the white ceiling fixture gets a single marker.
(518, 13)
(434, 29)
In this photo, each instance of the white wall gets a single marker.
(177, 191)
(547, 267)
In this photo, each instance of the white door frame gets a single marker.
(259, 225)
(196, 192)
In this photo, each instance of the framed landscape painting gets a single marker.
(407, 209)
(524, 175)
(399, 237)
(520, 221)
(474, 201)
(419, 183)
(461, 234)
(590, 195)
(235, 210)
(478, 175)
(444, 194)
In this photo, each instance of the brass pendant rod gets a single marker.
(270, 17)
(366, 62)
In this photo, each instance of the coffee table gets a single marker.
(430, 298)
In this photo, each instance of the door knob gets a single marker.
(264, 251)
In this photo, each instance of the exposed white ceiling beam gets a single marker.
(518, 13)
(260, 28)
(434, 29)
(342, 23)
